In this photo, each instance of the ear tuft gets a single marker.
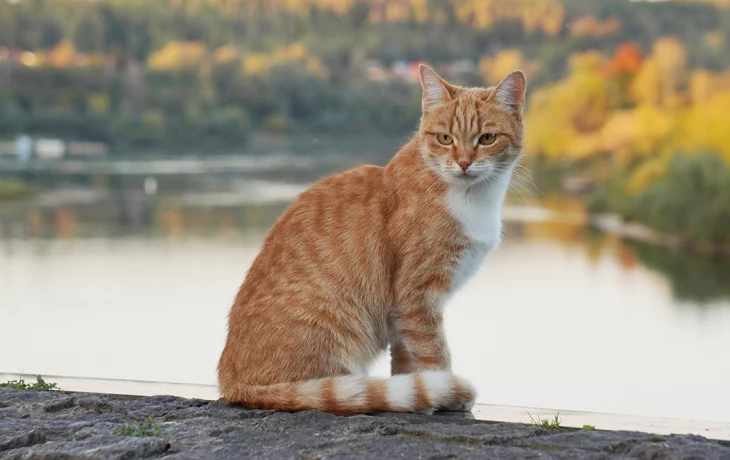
(435, 89)
(510, 92)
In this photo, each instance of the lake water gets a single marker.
(126, 270)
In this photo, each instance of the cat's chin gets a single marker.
(465, 180)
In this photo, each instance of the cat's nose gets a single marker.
(464, 164)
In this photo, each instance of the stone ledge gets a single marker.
(55, 425)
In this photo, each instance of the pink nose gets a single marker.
(464, 164)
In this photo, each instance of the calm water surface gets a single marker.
(126, 270)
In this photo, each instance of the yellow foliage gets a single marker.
(579, 116)
(546, 135)
(585, 98)
(63, 55)
(96, 60)
(565, 119)
(545, 15)
(295, 53)
(671, 55)
(619, 132)
(646, 87)
(646, 174)
(225, 54)
(662, 76)
(291, 6)
(671, 58)
(501, 65)
(588, 61)
(586, 145)
(396, 12)
(420, 9)
(704, 84)
(255, 63)
(588, 25)
(337, 6)
(705, 127)
(700, 85)
(178, 55)
(640, 131)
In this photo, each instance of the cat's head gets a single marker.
(471, 135)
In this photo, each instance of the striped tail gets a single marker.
(349, 394)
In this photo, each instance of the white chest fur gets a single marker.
(479, 211)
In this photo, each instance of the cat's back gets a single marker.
(362, 184)
(335, 203)
(332, 236)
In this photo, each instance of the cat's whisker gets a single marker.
(520, 193)
(517, 186)
(529, 176)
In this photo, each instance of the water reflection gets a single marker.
(112, 219)
(236, 205)
(696, 279)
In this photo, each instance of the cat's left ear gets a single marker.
(510, 92)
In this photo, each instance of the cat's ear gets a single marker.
(436, 91)
(510, 92)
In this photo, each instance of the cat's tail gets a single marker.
(350, 394)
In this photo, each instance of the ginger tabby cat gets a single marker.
(367, 258)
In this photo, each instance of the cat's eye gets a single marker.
(445, 139)
(487, 139)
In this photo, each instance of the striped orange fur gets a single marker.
(367, 258)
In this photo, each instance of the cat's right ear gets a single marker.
(436, 91)
(510, 92)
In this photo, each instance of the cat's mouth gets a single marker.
(466, 178)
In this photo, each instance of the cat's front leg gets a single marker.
(420, 345)
(418, 327)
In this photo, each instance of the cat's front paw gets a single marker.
(458, 407)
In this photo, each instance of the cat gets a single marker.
(367, 258)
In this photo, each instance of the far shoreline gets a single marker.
(613, 224)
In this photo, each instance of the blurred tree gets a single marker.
(671, 59)
(178, 55)
(646, 174)
(63, 55)
(646, 88)
(495, 69)
(700, 85)
(565, 118)
(588, 25)
(637, 132)
(704, 127)
(128, 56)
(226, 54)
(670, 205)
(626, 60)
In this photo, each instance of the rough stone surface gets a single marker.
(58, 425)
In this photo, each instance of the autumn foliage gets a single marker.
(629, 106)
